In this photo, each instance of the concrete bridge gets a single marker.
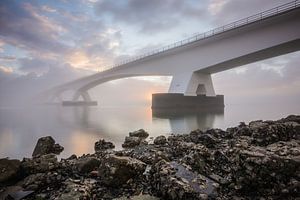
(192, 61)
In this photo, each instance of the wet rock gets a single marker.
(139, 133)
(265, 135)
(102, 145)
(117, 170)
(131, 142)
(46, 145)
(291, 118)
(254, 125)
(40, 164)
(9, 170)
(34, 181)
(88, 164)
(160, 140)
(14, 193)
(208, 140)
(72, 157)
(138, 197)
(168, 185)
(261, 170)
(75, 191)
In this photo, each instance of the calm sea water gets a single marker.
(78, 128)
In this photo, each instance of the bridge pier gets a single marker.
(192, 84)
(87, 100)
(179, 103)
(189, 92)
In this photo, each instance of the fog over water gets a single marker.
(77, 128)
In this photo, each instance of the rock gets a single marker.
(103, 145)
(14, 193)
(131, 142)
(72, 157)
(34, 181)
(259, 169)
(208, 140)
(139, 133)
(40, 164)
(254, 125)
(291, 118)
(46, 145)
(74, 191)
(9, 170)
(138, 197)
(86, 165)
(160, 140)
(117, 170)
(168, 185)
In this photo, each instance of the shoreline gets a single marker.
(259, 160)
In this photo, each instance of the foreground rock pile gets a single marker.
(260, 160)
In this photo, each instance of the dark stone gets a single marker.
(139, 133)
(103, 145)
(117, 170)
(167, 184)
(43, 163)
(86, 165)
(46, 145)
(131, 142)
(160, 140)
(9, 170)
(207, 139)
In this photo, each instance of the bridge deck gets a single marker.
(216, 31)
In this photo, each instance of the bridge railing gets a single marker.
(253, 18)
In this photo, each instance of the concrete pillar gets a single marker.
(57, 97)
(192, 84)
(84, 94)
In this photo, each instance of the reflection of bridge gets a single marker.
(192, 61)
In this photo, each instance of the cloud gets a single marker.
(227, 11)
(22, 26)
(6, 74)
(7, 58)
(36, 65)
(151, 16)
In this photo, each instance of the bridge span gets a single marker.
(191, 62)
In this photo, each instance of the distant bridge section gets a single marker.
(191, 62)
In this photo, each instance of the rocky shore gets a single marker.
(259, 160)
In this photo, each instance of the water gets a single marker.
(78, 128)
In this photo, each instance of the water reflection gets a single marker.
(184, 121)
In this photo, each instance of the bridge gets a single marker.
(192, 61)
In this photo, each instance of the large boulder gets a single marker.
(131, 142)
(160, 140)
(46, 145)
(88, 164)
(117, 170)
(75, 191)
(102, 145)
(174, 181)
(9, 170)
(139, 133)
(40, 164)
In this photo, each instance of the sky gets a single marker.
(45, 43)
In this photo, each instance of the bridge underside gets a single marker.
(190, 85)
